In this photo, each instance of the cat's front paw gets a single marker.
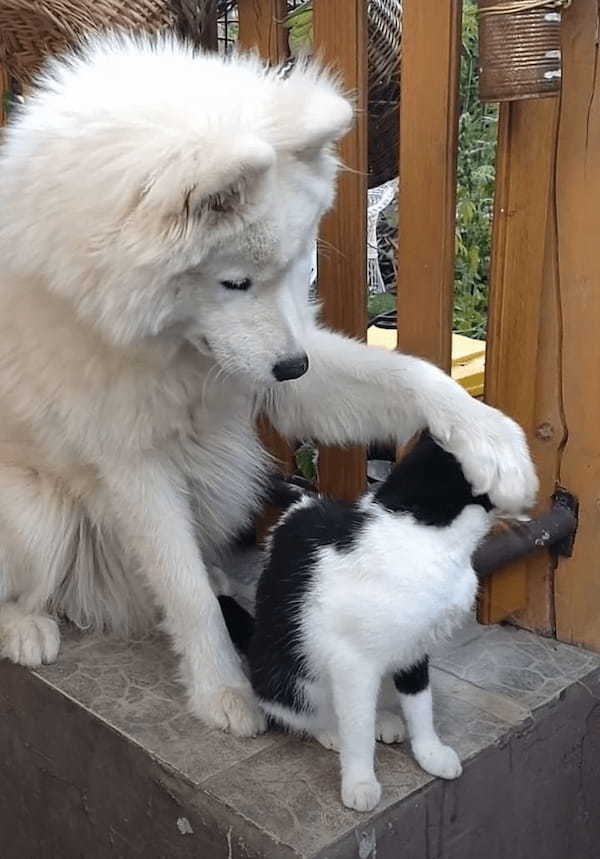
(437, 759)
(361, 795)
(389, 727)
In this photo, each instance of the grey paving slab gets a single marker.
(293, 789)
(522, 666)
(133, 687)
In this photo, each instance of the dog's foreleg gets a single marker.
(355, 394)
(151, 515)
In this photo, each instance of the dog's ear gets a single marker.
(326, 119)
(195, 179)
(311, 111)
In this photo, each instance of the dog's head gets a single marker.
(165, 193)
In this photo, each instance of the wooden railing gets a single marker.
(543, 353)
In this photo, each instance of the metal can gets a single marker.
(519, 50)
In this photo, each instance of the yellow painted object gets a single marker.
(468, 357)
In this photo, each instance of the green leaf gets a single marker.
(306, 461)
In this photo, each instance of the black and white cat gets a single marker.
(351, 599)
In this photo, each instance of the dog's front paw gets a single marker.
(438, 759)
(361, 795)
(27, 639)
(232, 709)
(493, 452)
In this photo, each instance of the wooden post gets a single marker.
(340, 36)
(4, 87)
(431, 38)
(544, 350)
(577, 582)
(260, 28)
(260, 23)
(520, 377)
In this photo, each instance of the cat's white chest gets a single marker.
(397, 593)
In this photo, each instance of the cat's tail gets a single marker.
(239, 623)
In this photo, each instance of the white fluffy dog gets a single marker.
(157, 215)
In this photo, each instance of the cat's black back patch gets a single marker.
(276, 659)
(428, 483)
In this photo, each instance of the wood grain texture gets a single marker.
(340, 36)
(519, 378)
(260, 23)
(577, 582)
(427, 199)
(4, 87)
(548, 436)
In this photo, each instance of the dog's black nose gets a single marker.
(291, 368)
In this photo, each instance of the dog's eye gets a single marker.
(242, 285)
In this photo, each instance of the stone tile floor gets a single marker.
(487, 680)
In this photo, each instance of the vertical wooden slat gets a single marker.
(513, 380)
(431, 33)
(340, 36)
(548, 437)
(577, 594)
(4, 84)
(260, 27)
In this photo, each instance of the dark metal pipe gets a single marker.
(554, 529)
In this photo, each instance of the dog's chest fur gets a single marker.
(217, 453)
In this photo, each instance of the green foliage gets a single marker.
(475, 189)
(306, 461)
(299, 25)
(380, 303)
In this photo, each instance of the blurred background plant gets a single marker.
(477, 133)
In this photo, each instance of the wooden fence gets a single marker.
(543, 354)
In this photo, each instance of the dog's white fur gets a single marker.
(135, 180)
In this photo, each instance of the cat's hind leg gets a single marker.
(415, 696)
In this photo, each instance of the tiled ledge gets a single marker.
(100, 758)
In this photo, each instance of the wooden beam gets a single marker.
(520, 379)
(431, 38)
(577, 582)
(340, 36)
(260, 23)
